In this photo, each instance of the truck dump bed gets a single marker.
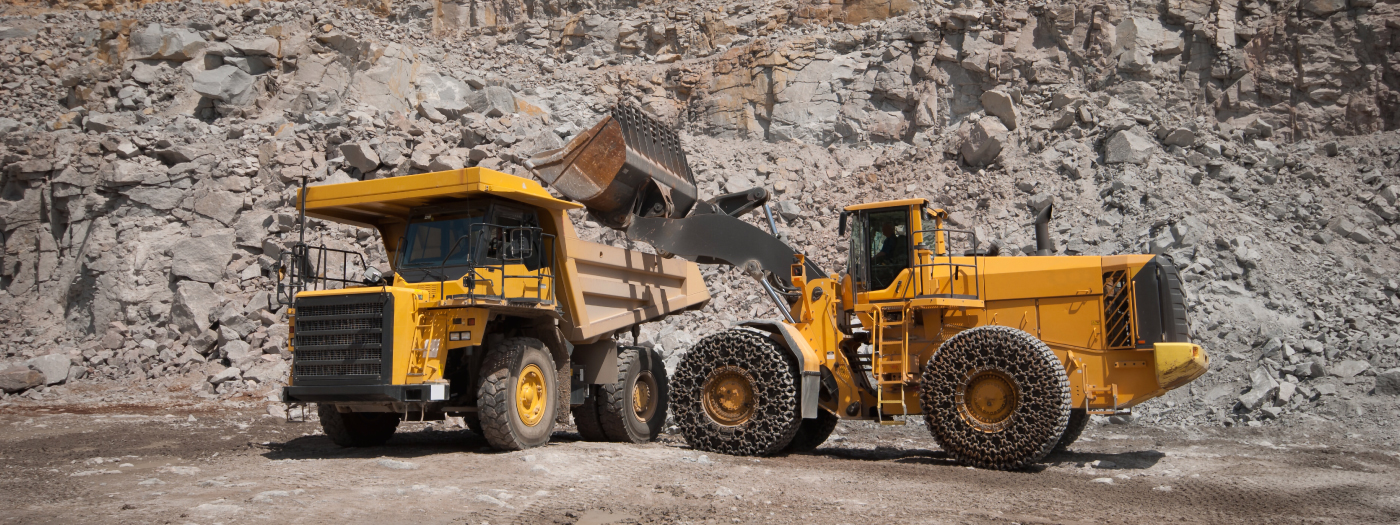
(600, 289)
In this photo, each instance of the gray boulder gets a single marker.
(228, 374)
(226, 84)
(255, 46)
(444, 94)
(494, 101)
(189, 312)
(1002, 106)
(1254, 399)
(1127, 146)
(203, 259)
(268, 372)
(1179, 137)
(1388, 383)
(1349, 368)
(159, 42)
(219, 205)
(53, 366)
(984, 142)
(1323, 8)
(241, 354)
(360, 156)
(19, 379)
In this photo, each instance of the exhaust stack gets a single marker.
(1043, 244)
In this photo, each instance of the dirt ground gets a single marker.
(135, 464)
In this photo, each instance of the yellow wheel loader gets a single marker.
(1004, 357)
(494, 311)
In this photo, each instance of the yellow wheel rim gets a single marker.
(728, 396)
(987, 400)
(644, 397)
(531, 395)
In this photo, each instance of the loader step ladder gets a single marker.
(890, 361)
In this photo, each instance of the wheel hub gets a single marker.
(530, 395)
(644, 397)
(728, 396)
(987, 399)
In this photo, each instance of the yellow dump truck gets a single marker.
(493, 311)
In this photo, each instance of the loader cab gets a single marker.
(883, 236)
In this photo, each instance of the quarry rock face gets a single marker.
(152, 154)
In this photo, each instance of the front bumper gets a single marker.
(347, 393)
(1179, 363)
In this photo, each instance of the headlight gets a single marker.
(459, 336)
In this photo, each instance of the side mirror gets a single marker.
(841, 226)
(373, 276)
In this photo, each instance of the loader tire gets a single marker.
(736, 393)
(1078, 420)
(995, 397)
(517, 399)
(813, 432)
(357, 429)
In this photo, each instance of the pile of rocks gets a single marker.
(151, 158)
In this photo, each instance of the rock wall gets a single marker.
(149, 157)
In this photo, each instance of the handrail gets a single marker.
(306, 268)
(954, 268)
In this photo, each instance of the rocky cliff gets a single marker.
(151, 153)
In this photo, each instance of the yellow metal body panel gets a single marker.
(1179, 363)
(887, 204)
(373, 203)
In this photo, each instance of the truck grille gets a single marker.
(343, 339)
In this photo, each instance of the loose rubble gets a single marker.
(151, 156)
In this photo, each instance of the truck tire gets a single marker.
(632, 410)
(357, 429)
(813, 432)
(473, 422)
(586, 416)
(995, 397)
(1078, 420)
(735, 393)
(517, 399)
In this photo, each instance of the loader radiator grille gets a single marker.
(1117, 312)
(344, 339)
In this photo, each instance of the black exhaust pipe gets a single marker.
(1043, 244)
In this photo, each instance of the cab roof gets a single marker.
(887, 204)
(373, 202)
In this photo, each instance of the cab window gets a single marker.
(888, 235)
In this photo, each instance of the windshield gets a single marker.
(428, 243)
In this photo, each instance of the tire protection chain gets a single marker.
(1036, 424)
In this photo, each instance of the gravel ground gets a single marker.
(177, 463)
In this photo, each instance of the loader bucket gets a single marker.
(628, 164)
